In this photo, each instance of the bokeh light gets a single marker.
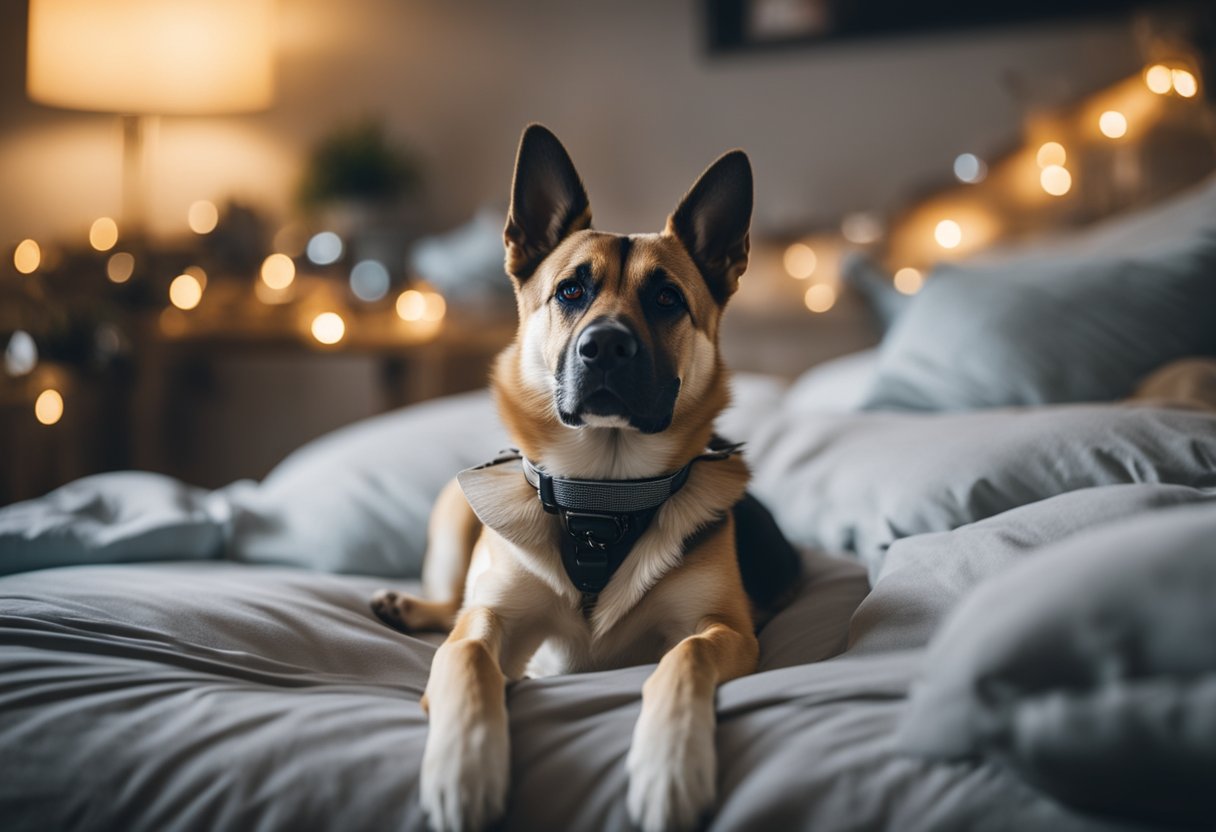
(411, 305)
(198, 274)
(908, 280)
(1051, 153)
(369, 280)
(185, 292)
(1158, 79)
(800, 261)
(103, 234)
(1113, 124)
(1056, 180)
(969, 168)
(48, 407)
(278, 271)
(203, 216)
(21, 354)
(328, 328)
(1185, 83)
(948, 233)
(861, 227)
(820, 298)
(324, 248)
(436, 307)
(120, 266)
(27, 257)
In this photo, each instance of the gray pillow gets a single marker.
(1068, 327)
(857, 482)
(924, 576)
(1089, 668)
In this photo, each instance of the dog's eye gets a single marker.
(668, 297)
(570, 291)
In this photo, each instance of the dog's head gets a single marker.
(621, 331)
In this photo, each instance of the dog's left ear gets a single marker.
(713, 219)
(548, 202)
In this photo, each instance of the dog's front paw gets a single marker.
(672, 770)
(464, 776)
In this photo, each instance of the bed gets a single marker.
(1005, 620)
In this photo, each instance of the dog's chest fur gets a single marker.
(657, 597)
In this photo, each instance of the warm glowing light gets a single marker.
(120, 266)
(198, 274)
(411, 305)
(271, 297)
(324, 248)
(1159, 79)
(278, 271)
(103, 234)
(948, 233)
(185, 291)
(1113, 124)
(172, 322)
(369, 280)
(969, 168)
(27, 257)
(820, 298)
(328, 327)
(1185, 83)
(436, 306)
(1056, 180)
(1051, 153)
(48, 407)
(909, 280)
(800, 261)
(202, 217)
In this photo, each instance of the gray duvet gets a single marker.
(221, 695)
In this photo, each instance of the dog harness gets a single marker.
(602, 520)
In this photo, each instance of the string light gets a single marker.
(328, 328)
(203, 217)
(908, 280)
(48, 407)
(1056, 180)
(948, 233)
(103, 234)
(120, 266)
(185, 292)
(1113, 124)
(411, 305)
(436, 306)
(1051, 153)
(278, 271)
(820, 298)
(1158, 79)
(1184, 83)
(800, 261)
(324, 248)
(198, 274)
(27, 257)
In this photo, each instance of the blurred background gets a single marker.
(231, 226)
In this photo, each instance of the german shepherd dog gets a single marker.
(614, 379)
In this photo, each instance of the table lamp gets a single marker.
(146, 58)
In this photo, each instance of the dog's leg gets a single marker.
(671, 763)
(451, 535)
(465, 764)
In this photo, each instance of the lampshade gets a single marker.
(165, 57)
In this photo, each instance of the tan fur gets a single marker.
(519, 612)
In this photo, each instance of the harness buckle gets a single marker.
(598, 531)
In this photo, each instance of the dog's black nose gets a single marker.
(606, 345)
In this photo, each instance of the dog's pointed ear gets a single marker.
(713, 220)
(548, 202)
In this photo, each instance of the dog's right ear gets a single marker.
(548, 202)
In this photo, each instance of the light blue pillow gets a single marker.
(1049, 329)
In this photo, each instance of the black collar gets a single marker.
(603, 519)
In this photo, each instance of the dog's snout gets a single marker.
(606, 345)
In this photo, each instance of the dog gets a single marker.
(609, 539)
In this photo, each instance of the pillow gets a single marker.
(857, 482)
(1034, 330)
(924, 576)
(112, 518)
(1090, 669)
(838, 385)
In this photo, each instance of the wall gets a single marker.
(626, 84)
